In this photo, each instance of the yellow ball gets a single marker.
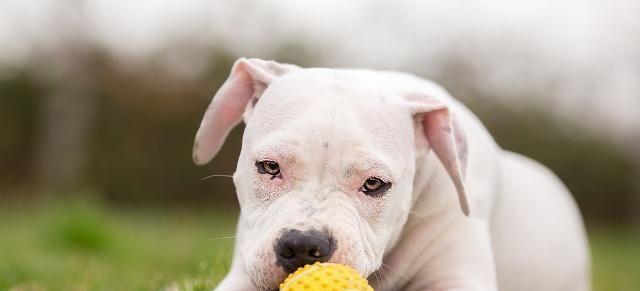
(325, 276)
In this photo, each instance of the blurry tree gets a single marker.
(636, 183)
(19, 99)
(146, 123)
(67, 111)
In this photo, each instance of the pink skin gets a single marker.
(268, 187)
(347, 186)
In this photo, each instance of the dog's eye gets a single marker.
(374, 186)
(268, 167)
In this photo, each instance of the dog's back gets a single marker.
(538, 237)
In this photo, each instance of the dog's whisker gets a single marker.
(223, 237)
(216, 175)
(397, 270)
(389, 267)
(417, 214)
(387, 276)
(384, 274)
(400, 274)
(376, 275)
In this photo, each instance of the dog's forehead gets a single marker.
(325, 106)
(311, 90)
(316, 83)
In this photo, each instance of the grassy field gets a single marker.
(81, 246)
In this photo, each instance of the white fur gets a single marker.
(331, 129)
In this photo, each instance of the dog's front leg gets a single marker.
(458, 257)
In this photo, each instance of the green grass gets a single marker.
(83, 246)
(616, 259)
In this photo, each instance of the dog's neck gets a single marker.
(432, 211)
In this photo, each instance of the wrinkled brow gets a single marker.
(281, 151)
(368, 167)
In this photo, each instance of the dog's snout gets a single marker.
(297, 248)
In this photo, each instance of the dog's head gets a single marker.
(327, 163)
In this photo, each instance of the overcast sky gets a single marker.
(591, 46)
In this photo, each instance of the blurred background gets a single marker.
(100, 101)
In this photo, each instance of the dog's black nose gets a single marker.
(295, 248)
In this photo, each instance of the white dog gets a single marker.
(387, 173)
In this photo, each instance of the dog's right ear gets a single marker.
(242, 89)
(444, 135)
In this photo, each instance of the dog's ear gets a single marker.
(444, 135)
(233, 101)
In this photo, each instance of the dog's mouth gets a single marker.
(270, 277)
(293, 247)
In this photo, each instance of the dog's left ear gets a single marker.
(444, 136)
(242, 89)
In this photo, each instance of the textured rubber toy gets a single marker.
(325, 276)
